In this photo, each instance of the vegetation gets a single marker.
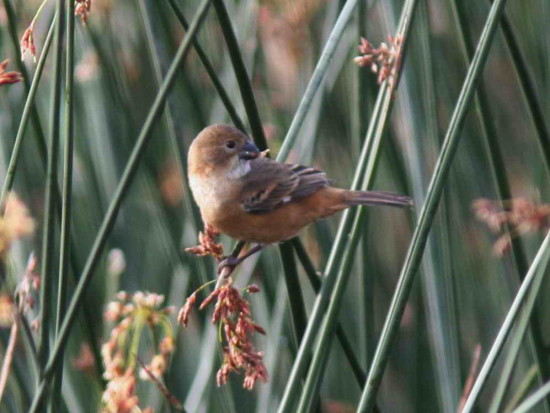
(440, 308)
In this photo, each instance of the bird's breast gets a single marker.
(215, 198)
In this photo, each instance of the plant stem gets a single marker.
(294, 290)
(66, 201)
(524, 302)
(245, 86)
(48, 243)
(222, 93)
(109, 220)
(317, 78)
(12, 28)
(27, 110)
(360, 375)
(435, 189)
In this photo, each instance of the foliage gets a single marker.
(119, 90)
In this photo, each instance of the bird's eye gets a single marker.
(230, 144)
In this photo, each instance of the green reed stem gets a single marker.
(317, 78)
(27, 110)
(48, 243)
(66, 200)
(347, 348)
(345, 242)
(12, 29)
(243, 80)
(216, 82)
(435, 189)
(109, 220)
(530, 402)
(522, 306)
(294, 290)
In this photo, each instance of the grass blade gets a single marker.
(427, 214)
(12, 19)
(111, 214)
(316, 78)
(243, 80)
(64, 244)
(343, 339)
(528, 88)
(222, 93)
(342, 263)
(27, 110)
(503, 192)
(48, 243)
(524, 302)
(294, 290)
(535, 398)
(436, 278)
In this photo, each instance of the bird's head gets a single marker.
(220, 147)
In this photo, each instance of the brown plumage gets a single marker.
(252, 198)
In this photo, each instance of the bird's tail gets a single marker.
(376, 198)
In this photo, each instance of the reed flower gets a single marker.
(85, 360)
(233, 313)
(15, 223)
(82, 9)
(27, 42)
(384, 60)
(207, 244)
(132, 314)
(8, 78)
(511, 219)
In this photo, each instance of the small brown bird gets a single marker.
(257, 199)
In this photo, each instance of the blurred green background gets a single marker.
(463, 290)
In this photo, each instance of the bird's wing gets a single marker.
(270, 184)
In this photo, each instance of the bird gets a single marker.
(253, 198)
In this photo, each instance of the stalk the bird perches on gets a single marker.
(256, 199)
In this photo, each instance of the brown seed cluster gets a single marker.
(520, 215)
(384, 60)
(207, 244)
(233, 312)
(8, 78)
(82, 9)
(27, 42)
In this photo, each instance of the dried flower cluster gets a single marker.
(15, 223)
(133, 314)
(82, 9)
(85, 361)
(207, 244)
(29, 286)
(8, 78)
(233, 312)
(520, 215)
(7, 308)
(384, 60)
(27, 41)
(24, 295)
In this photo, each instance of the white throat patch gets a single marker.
(241, 168)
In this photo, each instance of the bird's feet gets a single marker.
(229, 263)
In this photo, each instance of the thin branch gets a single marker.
(8, 358)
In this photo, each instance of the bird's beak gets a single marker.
(249, 151)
